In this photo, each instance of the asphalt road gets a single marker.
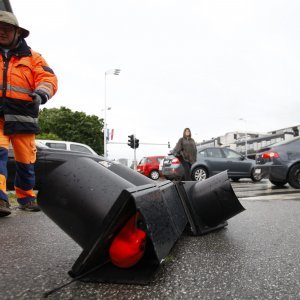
(255, 257)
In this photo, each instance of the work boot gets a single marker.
(30, 206)
(4, 208)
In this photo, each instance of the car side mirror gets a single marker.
(243, 157)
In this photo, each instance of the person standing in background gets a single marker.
(186, 151)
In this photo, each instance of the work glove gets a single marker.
(36, 99)
(39, 97)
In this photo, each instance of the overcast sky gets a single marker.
(184, 63)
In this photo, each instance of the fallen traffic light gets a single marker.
(125, 223)
(106, 214)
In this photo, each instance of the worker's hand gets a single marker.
(36, 99)
(39, 97)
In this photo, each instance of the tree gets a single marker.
(64, 124)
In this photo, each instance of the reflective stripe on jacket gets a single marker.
(23, 71)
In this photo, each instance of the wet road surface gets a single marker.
(255, 257)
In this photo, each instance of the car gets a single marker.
(161, 163)
(149, 166)
(280, 162)
(211, 161)
(172, 168)
(69, 146)
(47, 159)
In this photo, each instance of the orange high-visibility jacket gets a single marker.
(22, 72)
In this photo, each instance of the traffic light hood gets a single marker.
(210, 203)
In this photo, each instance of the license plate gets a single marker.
(257, 171)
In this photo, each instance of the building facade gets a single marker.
(254, 141)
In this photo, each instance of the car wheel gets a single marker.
(154, 175)
(199, 174)
(278, 183)
(255, 177)
(294, 176)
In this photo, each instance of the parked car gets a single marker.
(161, 163)
(280, 162)
(211, 161)
(149, 166)
(68, 146)
(47, 160)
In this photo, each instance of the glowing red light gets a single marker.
(128, 247)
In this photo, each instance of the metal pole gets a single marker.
(105, 125)
(108, 72)
(134, 157)
(246, 142)
(241, 119)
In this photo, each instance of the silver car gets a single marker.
(211, 161)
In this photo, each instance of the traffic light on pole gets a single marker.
(131, 141)
(137, 143)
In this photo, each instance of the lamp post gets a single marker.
(241, 119)
(108, 72)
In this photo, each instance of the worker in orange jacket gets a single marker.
(26, 82)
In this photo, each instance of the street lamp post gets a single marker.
(246, 153)
(108, 72)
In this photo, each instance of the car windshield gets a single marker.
(41, 145)
(143, 160)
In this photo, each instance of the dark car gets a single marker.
(47, 159)
(149, 166)
(211, 161)
(280, 162)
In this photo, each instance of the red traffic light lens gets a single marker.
(128, 247)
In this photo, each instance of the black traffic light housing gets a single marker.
(91, 203)
(131, 141)
(94, 201)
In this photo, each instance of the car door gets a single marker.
(237, 164)
(214, 160)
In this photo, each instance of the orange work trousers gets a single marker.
(25, 155)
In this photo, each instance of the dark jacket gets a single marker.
(186, 149)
